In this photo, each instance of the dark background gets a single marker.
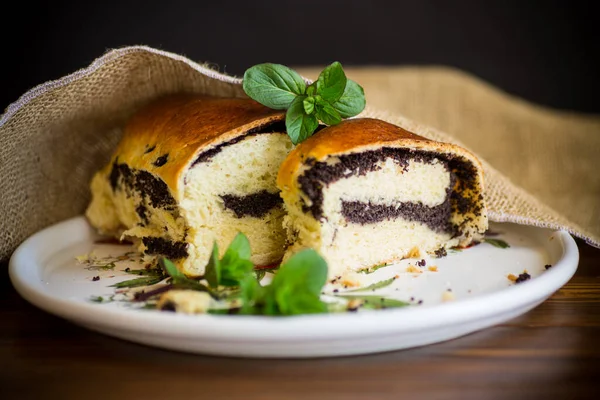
(543, 51)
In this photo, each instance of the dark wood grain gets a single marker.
(551, 352)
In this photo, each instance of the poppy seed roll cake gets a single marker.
(190, 170)
(365, 193)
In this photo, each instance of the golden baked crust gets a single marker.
(354, 136)
(181, 127)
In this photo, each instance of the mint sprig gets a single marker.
(233, 267)
(295, 289)
(329, 99)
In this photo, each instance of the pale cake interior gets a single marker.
(372, 213)
(224, 192)
(247, 168)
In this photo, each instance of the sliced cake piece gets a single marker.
(365, 193)
(190, 170)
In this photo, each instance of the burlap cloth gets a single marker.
(57, 134)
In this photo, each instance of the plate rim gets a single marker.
(262, 328)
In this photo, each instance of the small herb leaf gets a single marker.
(376, 302)
(144, 272)
(328, 114)
(236, 264)
(372, 269)
(497, 243)
(170, 268)
(296, 288)
(273, 85)
(374, 286)
(299, 125)
(251, 294)
(332, 82)
(143, 281)
(352, 101)
(180, 280)
(212, 273)
(309, 105)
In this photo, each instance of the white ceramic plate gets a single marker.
(44, 271)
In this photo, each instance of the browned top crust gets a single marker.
(165, 137)
(354, 136)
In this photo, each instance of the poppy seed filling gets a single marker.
(253, 205)
(462, 178)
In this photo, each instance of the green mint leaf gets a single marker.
(306, 270)
(372, 269)
(309, 105)
(252, 295)
(179, 279)
(299, 303)
(144, 272)
(239, 247)
(260, 274)
(143, 281)
(236, 264)
(96, 299)
(376, 302)
(299, 125)
(374, 286)
(352, 101)
(296, 288)
(212, 274)
(497, 243)
(273, 85)
(102, 267)
(311, 89)
(332, 82)
(171, 269)
(327, 114)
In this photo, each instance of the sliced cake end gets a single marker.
(365, 192)
(192, 170)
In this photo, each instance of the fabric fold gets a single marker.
(57, 135)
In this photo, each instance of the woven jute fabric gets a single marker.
(58, 134)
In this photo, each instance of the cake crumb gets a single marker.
(523, 277)
(547, 266)
(414, 253)
(413, 269)
(448, 296)
(433, 268)
(520, 278)
(354, 304)
(441, 252)
(350, 283)
(350, 279)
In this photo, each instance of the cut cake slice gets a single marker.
(365, 193)
(190, 170)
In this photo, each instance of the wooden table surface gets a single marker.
(551, 352)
